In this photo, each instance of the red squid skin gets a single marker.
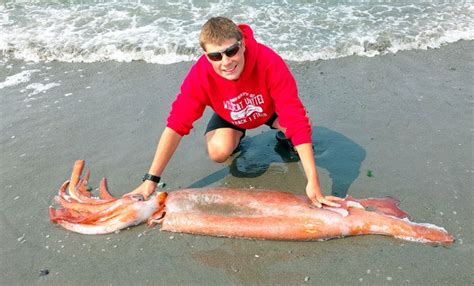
(246, 213)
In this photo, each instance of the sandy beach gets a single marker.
(399, 125)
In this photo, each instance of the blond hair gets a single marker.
(217, 30)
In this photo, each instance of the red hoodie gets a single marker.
(265, 86)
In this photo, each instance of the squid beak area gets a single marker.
(156, 218)
(160, 213)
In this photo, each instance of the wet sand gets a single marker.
(398, 125)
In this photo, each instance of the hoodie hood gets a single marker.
(251, 50)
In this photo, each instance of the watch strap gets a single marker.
(151, 177)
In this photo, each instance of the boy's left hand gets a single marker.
(318, 199)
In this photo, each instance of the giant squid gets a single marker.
(229, 212)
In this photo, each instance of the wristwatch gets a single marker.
(152, 178)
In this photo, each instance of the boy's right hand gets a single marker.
(146, 189)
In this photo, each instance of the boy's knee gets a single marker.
(218, 155)
(221, 143)
(218, 151)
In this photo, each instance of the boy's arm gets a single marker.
(167, 145)
(313, 189)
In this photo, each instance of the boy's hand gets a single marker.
(146, 189)
(318, 199)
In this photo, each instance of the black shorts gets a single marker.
(217, 122)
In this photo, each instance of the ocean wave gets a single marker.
(168, 32)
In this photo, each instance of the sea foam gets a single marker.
(18, 78)
(161, 32)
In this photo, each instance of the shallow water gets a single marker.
(167, 31)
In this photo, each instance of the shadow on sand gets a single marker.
(336, 153)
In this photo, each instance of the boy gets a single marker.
(247, 85)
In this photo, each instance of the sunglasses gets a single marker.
(229, 52)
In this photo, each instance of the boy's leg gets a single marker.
(222, 142)
(276, 125)
(281, 138)
(222, 138)
(280, 135)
